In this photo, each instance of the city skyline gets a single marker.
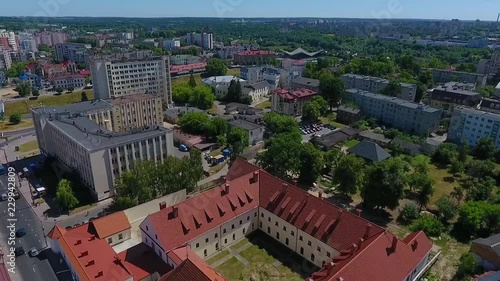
(392, 9)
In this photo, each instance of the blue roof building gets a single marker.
(33, 79)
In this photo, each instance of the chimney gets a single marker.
(175, 211)
(353, 249)
(360, 242)
(358, 212)
(92, 262)
(320, 195)
(255, 176)
(92, 238)
(329, 266)
(223, 179)
(394, 243)
(340, 279)
(99, 274)
(414, 245)
(163, 205)
(285, 186)
(367, 230)
(226, 188)
(78, 242)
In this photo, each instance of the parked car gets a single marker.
(20, 232)
(19, 251)
(4, 196)
(33, 252)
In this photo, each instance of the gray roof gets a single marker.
(374, 136)
(331, 139)
(93, 137)
(260, 85)
(176, 111)
(370, 151)
(349, 109)
(245, 124)
(405, 144)
(75, 108)
(306, 81)
(492, 242)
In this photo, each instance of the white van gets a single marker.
(41, 191)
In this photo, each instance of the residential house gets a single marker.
(487, 252)
(445, 76)
(348, 115)
(471, 125)
(377, 84)
(335, 138)
(371, 136)
(254, 57)
(448, 96)
(255, 131)
(74, 81)
(407, 147)
(172, 115)
(369, 151)
(3, 78)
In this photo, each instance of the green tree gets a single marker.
(88, 80)
(468, 266)
(332, 158)
(476, 218)
(15, 118)
(484, 149)
(480, 169)
(196, 123)
(216, 67)
(331, 89)
(84, 96)
(192, 81)
(24, 89)
(409, 213)
(181, 93)
(463, 152)
(422, 183)
(59, 90)
(457, 167)
(311, 112)
(429, 224)
(278, 123)
(65, 197)
(349, 174)
(220, 127)
(392, 89)
(445, 154)
(202, 97)
(384, 184)
(479, 189)
(322, 103)
(237, 141)
(16, 69)
(234, 91)
(71, 89)
(447, 209)
(282, 155)
(35, 92)
(311, 164)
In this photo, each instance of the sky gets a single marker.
(417, 9)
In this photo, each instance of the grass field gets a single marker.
(443, 182)
(7, 126)
(217, 257)
(28, 146)
(23, 106)
(331, 119)
(263, 105)
(351, 143)
(240, 244)
(231, 269)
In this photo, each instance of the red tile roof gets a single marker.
(111, 224)
(143, 262)
(378, 260)
(294, 95)
(206, 211)
(187, 67)
(92, 258)
(192, 268)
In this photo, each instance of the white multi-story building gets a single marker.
(220, 85)
(5, 60)
(74, 81)
(291, 103)
(72, 52)
(376, 85)
(204, 40)
(471, 125)
(115, 77)
(21, 56)
(342, 244)
(97, 138)
(9, 41)
(256, 74)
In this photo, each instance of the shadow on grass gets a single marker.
(283, 254)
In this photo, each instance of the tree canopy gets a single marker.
(216, 67)
(349, 174)
(65, 198)
(331, 89)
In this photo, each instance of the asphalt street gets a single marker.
(27, 268)
(20, 132)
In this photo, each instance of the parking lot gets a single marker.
(319, 130)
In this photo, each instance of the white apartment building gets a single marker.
(471, 125)
(220, 85)
(376, 85)
(112, 77)
(5, 60)
(318, 231)
(171, 44)
(72, 51)
(290, 103)
(71, 80)
(204, 40)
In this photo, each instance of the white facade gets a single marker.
(472, 125)
(65, 82)
(171, 44)
(204, 40)
(5, 60)
(376, 85)
(115, 78)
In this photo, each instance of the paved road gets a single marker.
(27, 268)
(25, 131)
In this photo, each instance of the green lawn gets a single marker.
(7, 126)
(217, 257)
(23, 106)
(29, 146)
(234, 72)
(240, 244)
(351, 143)
(231, 269)
(443, 185)
(256, 254)
(331, 119)
(185, 79)
(263, 105)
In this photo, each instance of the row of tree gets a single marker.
(148, 180)
(200, 96)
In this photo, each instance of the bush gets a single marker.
(430, 225)
(409, 213)
(15, 118)
(447, 210)
(468, 266)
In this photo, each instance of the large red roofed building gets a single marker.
(253, 57)
(291, 102)
(344, 245)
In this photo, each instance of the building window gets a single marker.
(300, 237)
(234, 236)
(318, 249)
(244, 230)
(269, 219)
(156, 236)
(217, 246)
(312, 257)
(328, 254)
(120, 236)
(197, 245)
(232, 226)
(260, 223)
(241, 222)
(206, 240)
(262, 215)
(205, 253)
(225, 241)
(284, 228)
(255, 214)
(268, 230)
(286, 241)
(276, 223)
(301, 251)
(110, 240)
(309, 243)
(216, 235)
(224, 231)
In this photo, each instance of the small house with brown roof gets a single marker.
(114, 228)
